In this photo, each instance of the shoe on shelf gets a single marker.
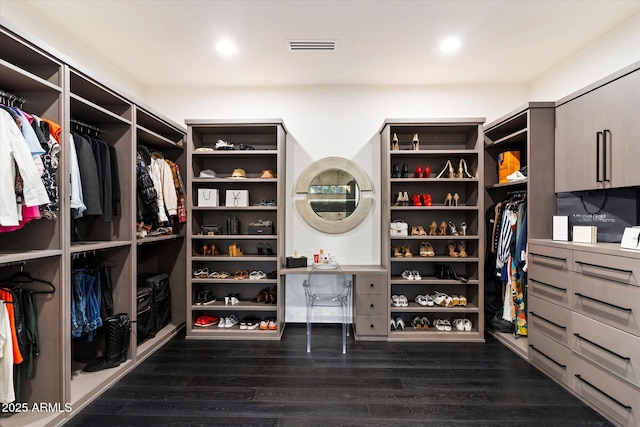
(463, 172)
(426, 199)
(456, 198)
(405, 171)
(399, 323)
(416, 275)
(416, 323)
(452, 229)
(395, 171)
(462, 300)
(443, 229)
(415, 143)
(407, 274)
(463, 228)
(207, 298)
(455, 300)
(448, 168)
(397, 252)
(432, 228)
(426, 249)
(394, 143)
(452, 249)
(205, 321)
(418, 172)
(459, 324)
(425, 322)
(421, 231)
(462, 249)
(468, 326)
(416, 200)
(446, 325)
(414, 230)
(448, 199)
(392, 324)
(406, 250)
(426, 172)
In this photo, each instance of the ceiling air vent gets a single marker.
(311, 45)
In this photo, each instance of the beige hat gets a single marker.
(267, 173)
(238, 173)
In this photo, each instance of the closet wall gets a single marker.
(64, 93)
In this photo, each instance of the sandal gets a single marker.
(202, 273)
(426, 249)
(241, 274)
(257, 275)
(204, 251)
(462, 249)
(462, 300)
(425, 323)
(416, 323)
(452, 249)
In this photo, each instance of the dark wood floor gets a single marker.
(228, 383)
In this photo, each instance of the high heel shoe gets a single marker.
(448, 167)
(426, 249)
(463, 172)
(453, 230)
(405, 171)
(463, 228)
(204, 250)
(452, 249)
(414, 230)
(395, 171)
(415, 142)
(462, 249)
(405, 199)
(443, 229)
(416, 200)
(432, 228)
(399, 324)
(418, 172)
(406, 251)
(426, 172)
(400, 199)
(420, 230)
(396, 252)
(456, 198)
(426, 199)
(394, 143)
(448, 199)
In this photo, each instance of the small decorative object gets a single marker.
(585, 233)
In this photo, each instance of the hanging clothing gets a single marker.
(180, 192)
(7, 394)
(8, 297)
(88, 175)
(77, 205)
(116, 194)
(13, 148)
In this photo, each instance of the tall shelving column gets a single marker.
(164, 253)
(31, 73)
(530, 130)
(440, 141)
(266, 198)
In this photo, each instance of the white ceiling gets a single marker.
(163, 43)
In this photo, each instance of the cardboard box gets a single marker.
(208, 197)
(508, 163)
(631, 238)
(561, 228)
(237, 198)
(585, 233)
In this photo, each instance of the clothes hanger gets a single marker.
(21, 277)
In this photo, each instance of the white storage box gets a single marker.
(208, 197)
(237, 198)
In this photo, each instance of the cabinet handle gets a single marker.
(371, 305)
(555, 258)
(601, 347)
(550, 358)
(607, 395)
(604, 154)
(373, 286)
(547, 320)
(602, 302)
(605, 267)
(551, 286)
(598, 139)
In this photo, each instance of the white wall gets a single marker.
(336, 121)
(24, 18)
(604, 56)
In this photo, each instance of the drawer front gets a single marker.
(367, 284)
(618, 399)
(372, 325)
(608, 267)
(551, 283)
(613, 303)
(616, 351)
(550, 356)
(371, 304)
(550, 319)
(551, 256)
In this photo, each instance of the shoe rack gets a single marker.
(228, 274)
(529, 129)
(56, 88)
(442, 195)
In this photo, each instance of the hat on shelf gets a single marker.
(207, 173)
(204, 150)
(238, 173)
(267, 173)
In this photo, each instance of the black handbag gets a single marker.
(211, 229)
(233, 225)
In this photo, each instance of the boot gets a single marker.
(126, 336)
(114, 339)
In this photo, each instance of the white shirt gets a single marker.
(14, 147)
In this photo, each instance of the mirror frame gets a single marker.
(362, 209)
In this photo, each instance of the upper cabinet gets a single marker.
(598, 135)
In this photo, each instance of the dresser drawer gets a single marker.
(614, 350)
(371, 284)
(549, 276)
(613, 396)
(614, 303)
(613, 268)
(372, 325)
(550, 319)
(371, 304)
(551, 256)
(550, 356)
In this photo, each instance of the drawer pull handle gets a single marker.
(602, 302)
(601, 347)
(604, 267)
(555, 258)
(548, 321)
(607, 395)
(551, 286)
(373, 286)
(371, 306)
(550, 358)
(371, 326)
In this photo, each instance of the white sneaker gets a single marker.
(230, 321)
(516, 176)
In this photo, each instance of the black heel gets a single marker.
(395, 171)
(405, 171)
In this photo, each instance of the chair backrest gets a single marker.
(327, 285)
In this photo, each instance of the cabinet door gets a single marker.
(579, 155)
(622, 131)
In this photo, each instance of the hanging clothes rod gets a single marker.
(11, 99)
(82, 125)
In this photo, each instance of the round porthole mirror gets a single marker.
(336, 195)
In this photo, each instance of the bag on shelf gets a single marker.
(210, 229)
(261, 227)
(144, 318)
(160, 300)
(508, 163)
(610, 210)
(208, 197)
(233, 225)
(399, 228)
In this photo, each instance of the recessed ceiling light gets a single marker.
(450, 44)
(226, 48)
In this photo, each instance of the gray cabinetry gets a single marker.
(583, 324)
(597, 134)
